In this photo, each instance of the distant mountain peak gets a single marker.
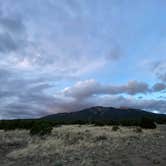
(103, 113)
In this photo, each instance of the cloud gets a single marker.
(7, 43)
(31, 98)
(145, 104)
(134, 87)
(83, 89)
(23, 51)
(11, 24)
(88, 88)
(43, 49)
(91, 93)
(12, 32)
(159, 69)
(115, 52)
(25, 96)
(159, 87)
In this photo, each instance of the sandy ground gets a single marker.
(76, 145)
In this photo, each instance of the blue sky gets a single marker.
(65, 55)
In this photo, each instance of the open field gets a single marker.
(84, 145)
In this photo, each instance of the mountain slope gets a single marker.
(104, 113)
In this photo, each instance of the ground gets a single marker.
(84, 145)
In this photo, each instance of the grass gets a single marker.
(75, 144)
(65, 138)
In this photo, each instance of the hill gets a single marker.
(100, 113)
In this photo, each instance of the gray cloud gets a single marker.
(91, 93)
(115, 52)
(42, 47)
(12, 33)
(21, 96)
(29, 98)
(14, 24)
(159, 87)
(89, 88)
(145, 104)
(159, 69)
(7, 43)
(24, 96)
(41, 42)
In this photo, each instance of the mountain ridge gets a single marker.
(104, 113)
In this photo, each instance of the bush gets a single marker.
(41, 128)
(16, 124)
(147, 123)
(98, 123)
(130, 122)
(58, 163)
(138, 130)
(115, 128)
(161, 120)
(101, 138)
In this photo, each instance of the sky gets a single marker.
(66, 55)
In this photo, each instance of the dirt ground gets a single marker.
(85, 145)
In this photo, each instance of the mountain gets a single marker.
(100, 113)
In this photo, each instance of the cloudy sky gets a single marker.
(65, 55)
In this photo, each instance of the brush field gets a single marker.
(85, 145)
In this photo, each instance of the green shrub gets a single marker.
(147, 123)
(41, 128)
(115, 128)
(58, 163)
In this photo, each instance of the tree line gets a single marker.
(42, 126)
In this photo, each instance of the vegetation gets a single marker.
(115, 128)
(101, 138)
(84, 145)
(98, 116)
(16, 124)
(41, 128)
(147, 123)
(138, 130)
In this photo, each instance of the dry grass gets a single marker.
(80, 145)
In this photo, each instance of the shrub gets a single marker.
(147, 123)
(115, 128)
(99, 123)
(138, 130)
(41, 128)
(101, 138)
(58, 163)
(129, 122)
(16, 124)
(161, 120)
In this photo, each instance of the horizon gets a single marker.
(118, 108)
(60, 56)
